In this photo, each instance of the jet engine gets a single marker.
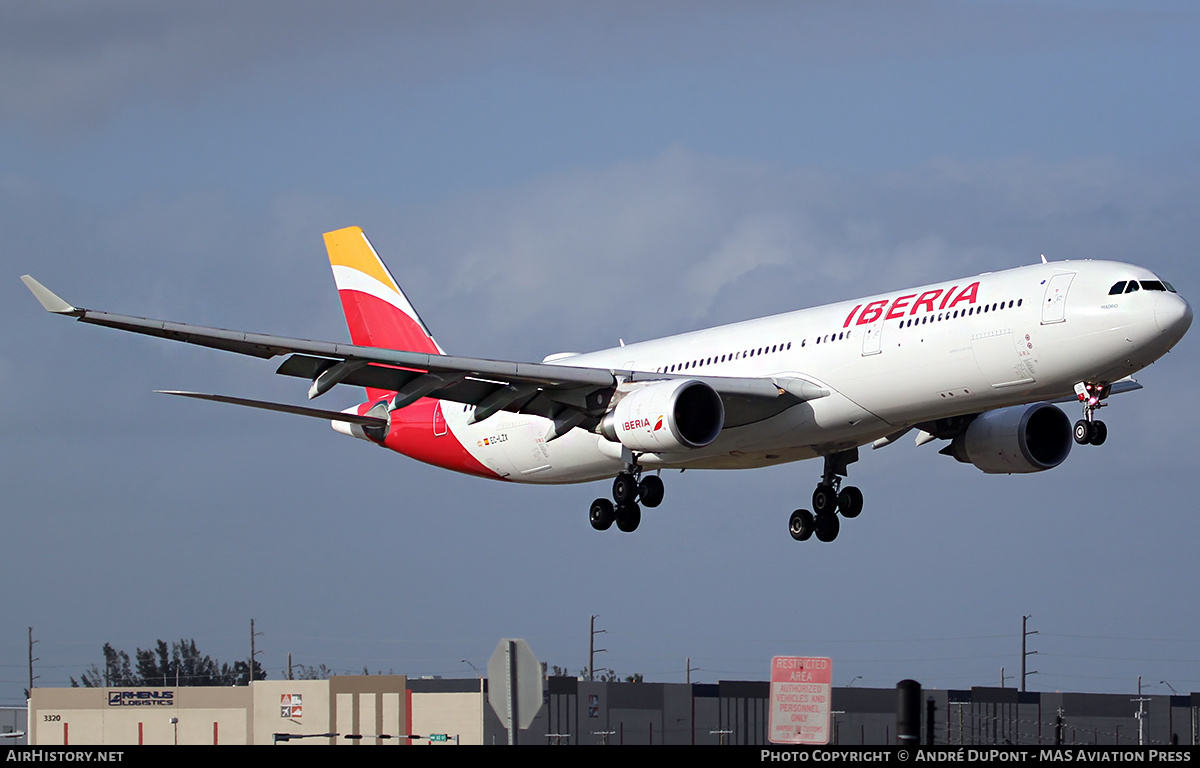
(665, 416)
(1023, 438)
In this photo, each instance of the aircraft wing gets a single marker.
(569, 395)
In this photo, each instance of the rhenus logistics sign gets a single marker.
(800, 700)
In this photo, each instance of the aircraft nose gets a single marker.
(1173, 315)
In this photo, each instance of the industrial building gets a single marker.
(366, 709)
(395, 710)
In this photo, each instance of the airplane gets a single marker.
(979, 362)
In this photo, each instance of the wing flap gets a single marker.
(386, 377)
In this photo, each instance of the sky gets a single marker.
(545, 177)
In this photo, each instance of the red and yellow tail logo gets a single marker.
(377, 311)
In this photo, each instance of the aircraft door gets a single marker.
(873, 338)
(1054, 306)
(439, 421)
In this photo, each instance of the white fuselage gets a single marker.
(888, 361)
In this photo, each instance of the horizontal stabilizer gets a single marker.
(318, 413)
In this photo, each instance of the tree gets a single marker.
(305, 672)
(608, 676)
(178, 664)
(236, 675)
(118, 672)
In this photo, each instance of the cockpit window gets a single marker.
(1170, 287)
(1117, 289)
(1153, 285)
(1133, 286)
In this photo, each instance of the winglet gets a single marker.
(49, 299)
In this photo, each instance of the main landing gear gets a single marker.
(828, 500)
(1088, 430)
(629, 487)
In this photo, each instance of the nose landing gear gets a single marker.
(1088, 430)
(828, 500)
(629, 487)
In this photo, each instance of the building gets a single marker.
(394, 709)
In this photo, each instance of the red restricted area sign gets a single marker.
(801, 687)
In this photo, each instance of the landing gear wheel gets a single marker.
(827, 526)
(824, 500)
(1091, 394)
(629, 516)
(850, 502)
(651, 490)
(625, 488)
(801, 525)
(602, 514)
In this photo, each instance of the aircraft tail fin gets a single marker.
(377, 311)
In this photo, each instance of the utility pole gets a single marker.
(592, 649)
(1025, 654)
(31, 660)
(689, 670)
(253, 653)
(1141, 713)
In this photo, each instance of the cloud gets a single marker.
(67, 67)
(683, 239)
(756, 241)
(637, 249)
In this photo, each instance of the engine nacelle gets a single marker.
(665, 416)
(1023, 438)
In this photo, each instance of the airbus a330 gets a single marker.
(978, 362)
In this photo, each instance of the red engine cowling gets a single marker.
(1023, 438)
(665, 416)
